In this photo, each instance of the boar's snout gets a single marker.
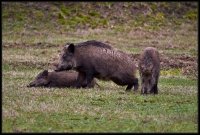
(31, 84)
(57, 70)
(144, 90)
(60, 68)
(63, 67)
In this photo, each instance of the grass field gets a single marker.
(29, 47)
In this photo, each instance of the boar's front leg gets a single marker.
(89, 79)
(154, 88)
(81, 80)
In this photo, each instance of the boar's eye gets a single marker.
(64, 56)
(39, 77)
(67, 56)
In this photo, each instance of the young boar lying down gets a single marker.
(149, 69)
(95, 59)
(57, 79)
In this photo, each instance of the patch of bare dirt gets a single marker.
(187, 63)
(178, 61)
(168, 62)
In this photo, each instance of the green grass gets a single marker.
(109, 109)
(28, 49)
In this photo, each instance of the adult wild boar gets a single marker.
(96, 59)
(55, 62)
(149, 69)
(57, 79)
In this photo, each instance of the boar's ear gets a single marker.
(45, 73)
(71, 48)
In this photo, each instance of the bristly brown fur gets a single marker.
(149, 69)
(57, 79)
(95, 59)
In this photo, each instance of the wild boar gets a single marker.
(54, 63)
(94, 59)
(57, 79)
(149, 69)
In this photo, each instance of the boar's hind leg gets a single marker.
(128, 88)
(135, 84)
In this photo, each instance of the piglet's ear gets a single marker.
(45, 73)
(71, 48)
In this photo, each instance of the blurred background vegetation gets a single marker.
(64, 16)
